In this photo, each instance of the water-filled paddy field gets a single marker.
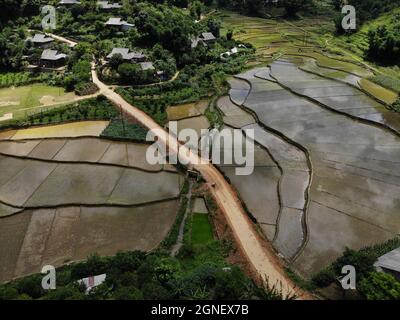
(342, 172)
(62, 199)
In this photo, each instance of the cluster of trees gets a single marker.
(12, 48)
(368, 9)
(370, 284)
(384, 41)
(98, 108)
(136, 276)
(78, 76)
(13, 9)
(164, 25)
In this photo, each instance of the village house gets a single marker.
(69, 2)
(118, 23)
(208, 38)
(389, 263)
(105, 5)
(127, 55)
(147, 66)
(51, 59)
(205, 39)
(41, 41)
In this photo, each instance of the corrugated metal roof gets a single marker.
(40, 38)
(52, 55)
(390, 260)
(126, 55)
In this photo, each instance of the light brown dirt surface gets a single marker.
(73, 129)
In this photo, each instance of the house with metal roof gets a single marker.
(69, 2)
(41, 41)
(105, 5)
(208, 37)
(119, 23)
(51, 59)
(127, 55)
(204, 39)
(147, 66)
(389, 263)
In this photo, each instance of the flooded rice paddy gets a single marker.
(34, 238)
(339, 181)
(62, 199)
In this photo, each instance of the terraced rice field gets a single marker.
(190, 116)
(187, 110)
(337, 153)
(62, 199)
(34, 238)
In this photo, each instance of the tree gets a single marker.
(396, 105)
(11, 48)
(362, 262)
(81, 71)
(196, 9)
(8, 293)
(384, 43)
(229, 35)
(129, 73)
(292, 7)
(380, 286)
(214, 26)
(232, 285)
(115, 61)
(128, 293)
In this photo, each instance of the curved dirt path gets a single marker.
(262, 259)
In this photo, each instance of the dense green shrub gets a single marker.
(362, 262)
(396, 105)
(118, 129)
(380, 286)
(324, 278)
(367, 279)
(384, 42)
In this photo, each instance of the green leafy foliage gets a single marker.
(396, 105)
(380, 286)
(135, 275)
(118, 129)
(384, 41)
(371, 284)
(91, 109)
